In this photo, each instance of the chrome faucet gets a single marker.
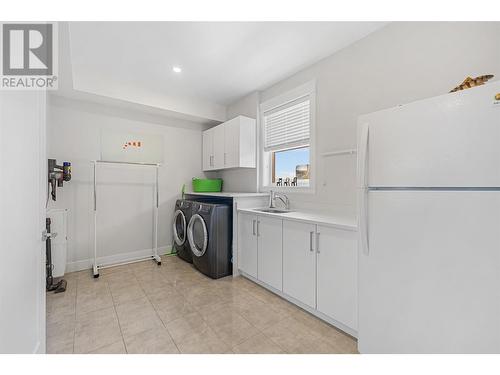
(282, 197)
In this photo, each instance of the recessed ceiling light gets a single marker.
(176, 69)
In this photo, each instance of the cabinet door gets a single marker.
(247, 244)
(270, 261)
(208, 147)
(231, 143)
(299, 261)
(218, 158)
(247, 142)
(337, 275)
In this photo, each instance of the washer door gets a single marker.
(179, 227)
(197, 235)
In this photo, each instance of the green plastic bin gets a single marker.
(207, 185)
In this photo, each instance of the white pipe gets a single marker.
(142, 259)
(126, 163)
(95, 267)
(156, 216)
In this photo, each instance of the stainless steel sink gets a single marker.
(273, 210)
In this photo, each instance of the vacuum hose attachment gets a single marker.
(48, 252)
(60, 286)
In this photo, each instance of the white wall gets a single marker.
(398, 64)
(22, 220)
(125, 194)
(241, 179)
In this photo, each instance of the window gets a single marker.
(287, 125)
(291, 167)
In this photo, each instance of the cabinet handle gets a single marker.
(317, 242)
(253, 227)
(225, 158)
(258, 230)
(311, 233)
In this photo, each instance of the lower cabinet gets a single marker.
(313, 264)
(260, 248)
(247, 243)
(299, 261)
(270, 251)
(337, 284)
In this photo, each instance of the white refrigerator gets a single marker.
(429, 225)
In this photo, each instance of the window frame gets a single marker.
(306, 90)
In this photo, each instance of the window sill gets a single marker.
(288, 189)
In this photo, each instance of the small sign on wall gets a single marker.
(131, 147)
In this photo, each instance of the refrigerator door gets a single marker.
(430, 282)
(446, 141)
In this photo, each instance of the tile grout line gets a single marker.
(259, 294)
(104, 308)
(262, 331)
(117, 318)
(206, 322)
(74, 327)
(156, 312)
(233, 346)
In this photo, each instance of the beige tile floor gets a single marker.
(172, 308)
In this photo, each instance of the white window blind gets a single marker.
(288, 126)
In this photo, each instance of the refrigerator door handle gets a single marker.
(363, 156)
(363, 221)
(363, 191)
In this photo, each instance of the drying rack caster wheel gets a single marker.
(95, 271)
(157, 259)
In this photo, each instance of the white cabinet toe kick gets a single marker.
(311, 265)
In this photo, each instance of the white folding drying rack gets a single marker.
(96, 267)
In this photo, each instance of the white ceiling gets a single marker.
(220, 61)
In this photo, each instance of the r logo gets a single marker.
(27, 49)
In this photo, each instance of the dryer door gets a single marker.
(197, 235)
(179, 227)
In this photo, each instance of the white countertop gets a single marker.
(341, 222)
(229, 194)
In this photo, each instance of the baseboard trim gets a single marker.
(86, 264)
(38, 348)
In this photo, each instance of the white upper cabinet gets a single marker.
(218, 153)
(231, 144)
(208, 149)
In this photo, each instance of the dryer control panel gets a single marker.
(204, 208)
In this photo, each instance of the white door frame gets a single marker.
(42, 108)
